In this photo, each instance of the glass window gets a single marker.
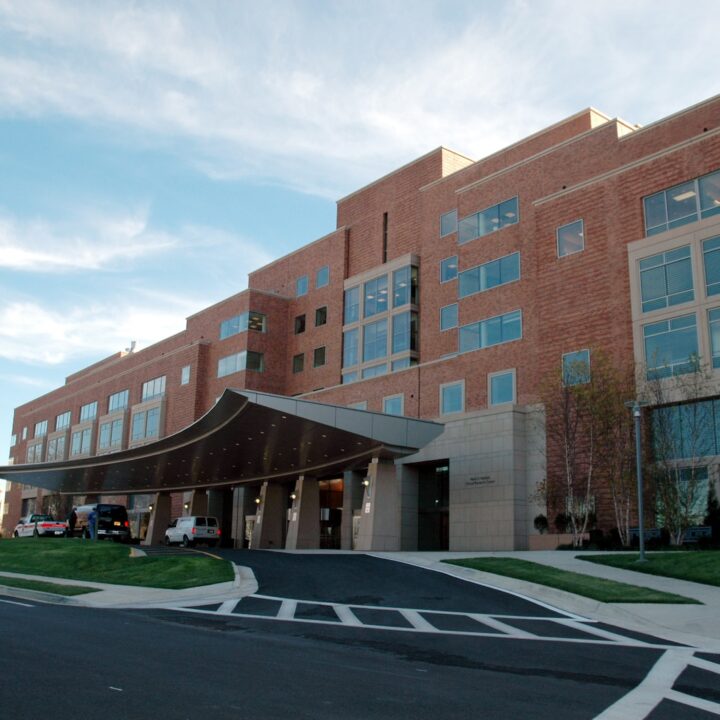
(710, 194)
(375, 296)
(322, 276)
(352, 305)
(24, 433)
(488, 220)
(299, 324)
(570, 238)
(13, 440)
(404, 328)
(374, 371)
(452, 398)
(375, 340)
(404, 286)
(153, 388)
(449, 317)
(62, 421)
(301, 286)
(80, 442)
(56, 449)
(319, 357)
(242, 323)
(350, 347)
(711, 257)
(493, 331)
(298, 362)
(489, 275)
(118, 401)
(110, 434)
(245, 360)
(671, 347)
(41, 429)
(185, 375)
(502, 387)
(88, 412)
(362, 405)
(576, 367)
(257, 321)
(448, 223)
(666, 279)
(350, 377)
(714, 324)
(393, 405)
(146, 424)
(448, 269)
(403, 363)
(320, 316)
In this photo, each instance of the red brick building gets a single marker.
(448, 290)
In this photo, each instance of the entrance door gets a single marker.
(433, 507)
(331, 501)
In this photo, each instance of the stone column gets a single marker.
(270, 517)
(352, 501)
(380, 516)
(408, 478)
(304, 524)
(159, 520)
(237, 534)
(198, 503)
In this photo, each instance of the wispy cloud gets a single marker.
(321, 96)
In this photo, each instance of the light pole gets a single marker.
(636, 406)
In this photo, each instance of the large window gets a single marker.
(145, 424)
(118, 401)
(493, 331)
(666, 279)
(185, 375)
(374, 371)
(404, 332)
(489, 275)
(80, 444)
(301, 285)
(393, 405)
(352, 305)
(88, 412)
(452, 398)
(570, 238)
(63, 420)
(153, 388)
(56, 449)
(405, 286)
(242, 323)
(501, 387)
(448, 223)
(375, 298)
(110, 435)
(488, 220)
(671, 347)
(350, 347)
(682, 204)
(449, 317)
(714, 324)
(322, 277)
(711, 256)
(34, 453)
(245, 360)
(576, 367)
(41, 429)
(375, 340)
(448, 269)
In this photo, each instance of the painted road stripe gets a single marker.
(692, 701)
(347, 616)
(227, 607)
(705, 665)
(501, 626)
(418, 621)
(12, 602)
(287, 610)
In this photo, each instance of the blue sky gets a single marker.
(154, 153)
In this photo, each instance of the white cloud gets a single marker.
(322, 96)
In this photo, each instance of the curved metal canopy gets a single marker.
(247, 437)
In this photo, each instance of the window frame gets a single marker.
(185, 374)
(581, 380)
(325, 269)
(301, 286)
(498, 374)
(445, 328)
(448, 386)
(582, 237)
(442, 268)
(389, 398)
(298, 363)
(319, 352)
(118, 394)
(454, 223)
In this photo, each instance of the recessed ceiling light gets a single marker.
(684, 196)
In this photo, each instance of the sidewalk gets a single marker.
(696, 625)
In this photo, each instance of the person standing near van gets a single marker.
(92, 523)
(71, 521)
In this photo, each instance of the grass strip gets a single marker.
(607, 591)
(107, 562)
(47, 587)
(695, 566)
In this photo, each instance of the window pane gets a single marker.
(153, 422)
(254, 361)
(710, 194)
(375, 340)
(401, 332)
(681, 204)
(666, 279)
(490, 275)
(501, 388)
(712, 265)
(448, 223)
(508, 212)
(299, 324)
(298, 363)
(319, 357)
(322, 277)
(374, 371)
(449, 316)
(570, 238)
(655, 214)
(401, 287)
(448, 269)
(393, 405)
(350, 347)
(352, 305)
(576, 367)
(375, 296)
(671, 347)
(451, 399)
(320, 316)
(301, 286)
(468, 229)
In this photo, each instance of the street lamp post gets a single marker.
(636, 406)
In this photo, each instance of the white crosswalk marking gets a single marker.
(418, 621)
(287, 609)
(347, 616)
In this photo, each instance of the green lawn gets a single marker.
(697, 566)
(48, 587)
(108, 562)
(576, 583)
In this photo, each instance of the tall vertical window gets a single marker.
(56, 449)
(405, 286)
(375, 340)
(322, 276)
(298, 363)
(493, 331)
(671, 347)
(501, 387)
(320, 316)
(576, 367)
(110, 434)
(153, 388)
(41, 429)
(570, 238)
(63, 420)
(452, 398)
(448, 269)
(449, 317)
(145, 424)
(301, 285)
(88, 412)
(666, 279)
(118, 401)
(185, 375)
(352, 305)
(300, 324)
(376, 296)
(319, 357)
(13, 440)
(714, 324)
(448, 223)
(711, 257)
(404, 332)
(350, 347)
(80, 444)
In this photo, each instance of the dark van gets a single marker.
(112, 521)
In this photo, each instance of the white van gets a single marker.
(192, 529)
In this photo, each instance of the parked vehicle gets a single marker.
(192, 529)
(36, 525)
(112, 521)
